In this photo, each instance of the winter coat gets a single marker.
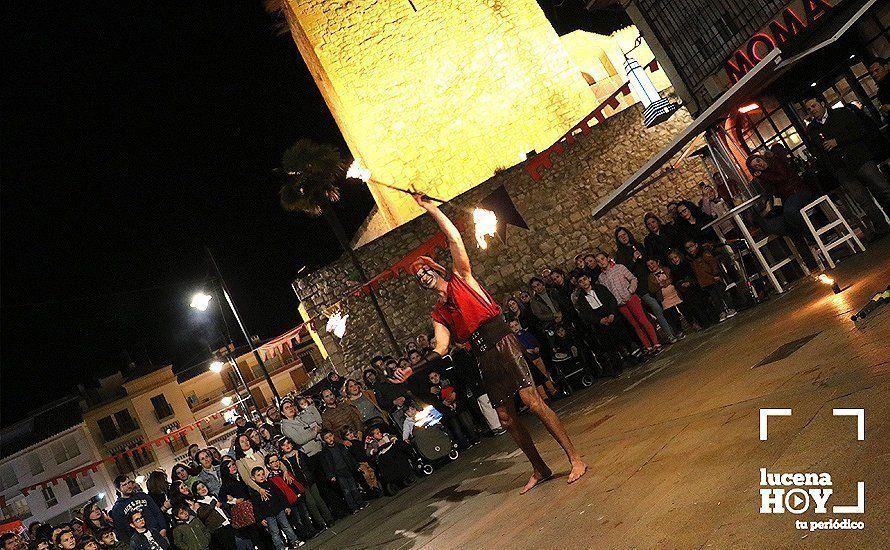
(191, 535)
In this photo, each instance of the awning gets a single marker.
(832, 32)
(759, 76)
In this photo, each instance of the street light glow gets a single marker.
(216, 366)
(200, 301)
(226, 401)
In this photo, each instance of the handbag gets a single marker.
(242, 514)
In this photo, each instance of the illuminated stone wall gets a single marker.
(557, 208)
(442, 96)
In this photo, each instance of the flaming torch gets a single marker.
(826, 280)
(486, 226)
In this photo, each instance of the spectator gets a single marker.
(423, 343)
(189, 533)
(879, 69)
(623, 285)
(629, 253)
(65, 540)
(242, 425)
(355, 443)
(691, 224)
(131, 499)
(94, 519)
(143, 536)
(711, 203)
(181, 472)
(447, 399)
(695, 306)
(850, 145)
(709, 276)
(339, 415)
(178, 491)
(365, 401)
(661, 238)
(532, 353)
(271, 510)
(591, 268)
(516, 310)
(563, 289)
(544, 304)
(107, 540)
(210, 511)
(298, 463)
(158, 486)
(88, 543)
(247, 457)
(778, 178)
(340, 467)
(209, 474)
(273, 419)
(662, 287)
(235, 495)
(292, 490)
(267, 445)
(12, 541)
(598, 309)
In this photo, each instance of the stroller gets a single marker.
(567, 367)
(431, 443)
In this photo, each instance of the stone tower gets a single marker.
(438, 93)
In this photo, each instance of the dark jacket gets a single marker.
(140, 542)
(154, 518)
(267, 508)
(337, 460)
(542, 312)
(593, 316)
(659, 245)
(858, 138)
(191, 535)
(684, 278)
(780, 179)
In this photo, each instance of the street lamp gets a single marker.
(200, 301)
(216, 366)
(203, 299)
(226, 401)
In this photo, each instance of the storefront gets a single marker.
(799, 53)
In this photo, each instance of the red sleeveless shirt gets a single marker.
(463, 309)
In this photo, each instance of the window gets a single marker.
(125, 422)
(79, 484)
(49, 496)
(34, 464)
(65, 449)
(108, 428)
(161, 407)
(8, 479)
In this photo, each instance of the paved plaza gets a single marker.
(673, 445)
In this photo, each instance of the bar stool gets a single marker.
(839, 226)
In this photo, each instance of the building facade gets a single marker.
(65, 451)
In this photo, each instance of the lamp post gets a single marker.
(201, 300)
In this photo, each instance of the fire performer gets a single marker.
(466, 312)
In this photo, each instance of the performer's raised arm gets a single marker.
(460, 260)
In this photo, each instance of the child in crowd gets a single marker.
(108, 540)
(710, 278)
(458, 420)
(279, 474)
(695, 303)
(341, 467)
(189, 533)
(532, 352)
(356, 445)
(142, 537)
(272, 512)
(377, 442)
(215, 519)
(662, 287)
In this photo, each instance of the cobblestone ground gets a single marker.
(674, 448)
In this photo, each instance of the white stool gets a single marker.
(768, 263)
(838, 225)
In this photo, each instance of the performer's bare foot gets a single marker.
(537, 478)
(579, 468)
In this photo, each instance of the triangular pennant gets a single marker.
(502, 205)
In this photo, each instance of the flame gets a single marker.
(486, 225)
(825, 279)
(358, 171)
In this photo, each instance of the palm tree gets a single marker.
(313, 173)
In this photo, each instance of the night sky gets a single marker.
(133, 136)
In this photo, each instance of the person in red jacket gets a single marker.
(465, 312)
